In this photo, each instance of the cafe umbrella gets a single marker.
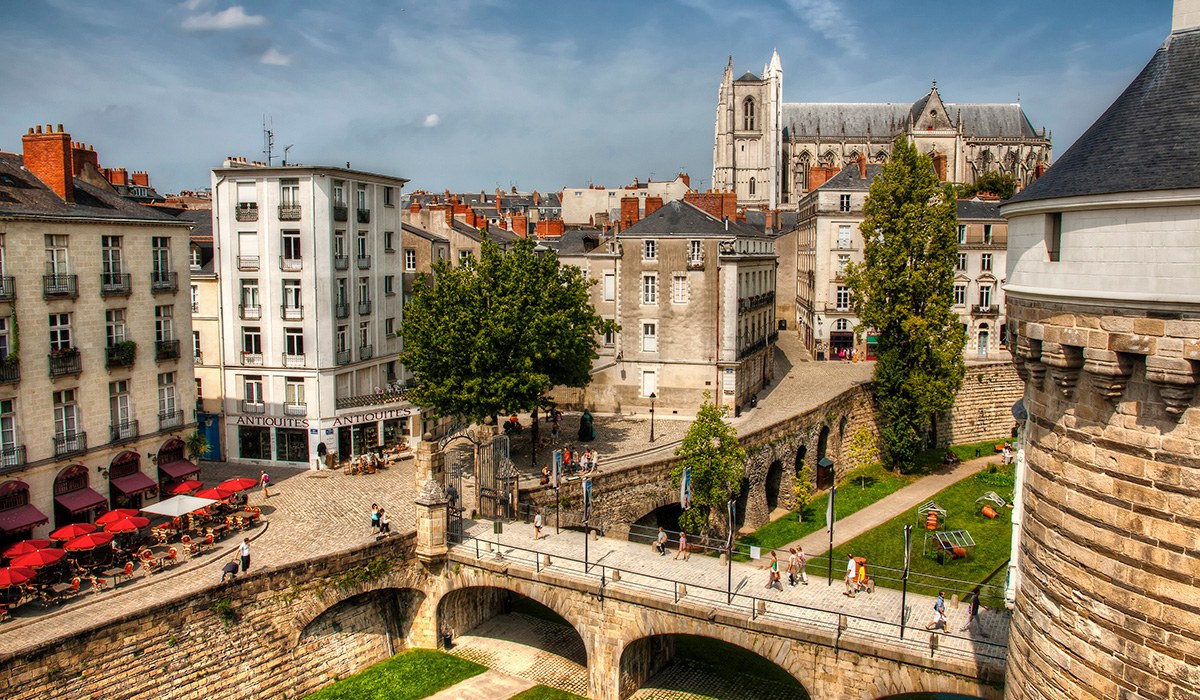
(131, 523)
(70, 532)
(15, 575)
(238, 484)
(40, 558)
(26, 547)
(115, 515)
(218, 494)
(88, 541)
(186, 486)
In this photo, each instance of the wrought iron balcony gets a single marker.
(116, 284)
(252, 359)
(364, 262)
(290, 264)
(366, 352)
(980, 310)
(342, 357)
(390, 396)
(170, 419)
(364, 307)
(125, 430)
(341, 310)
(295, 409)
(340, 212)
(364, 216)
(10, 370)
(291, 313)
(254, 407)
(166, 350)
(293, 360)
(752, 348)
(249, 313)
(8, 289)
(247, 213)
(164, 281)
(65, 362)
(60, 286)
(341, 262)
(69, 443)
(11, 457)
(247, 262)
(120, 355)
(289, 212)
(756, 302)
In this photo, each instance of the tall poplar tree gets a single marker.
(904, 290)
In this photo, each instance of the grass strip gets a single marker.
(409, 675)
(545, 692)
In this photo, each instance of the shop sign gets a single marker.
(273, 422)
(374, 416)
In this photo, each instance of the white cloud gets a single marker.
(193, 5)
(828, 18)
(432, 120)
(233, 18)
(273, 58)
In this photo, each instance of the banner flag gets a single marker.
(829, 510)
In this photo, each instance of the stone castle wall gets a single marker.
(1106, 604)
(983, 408)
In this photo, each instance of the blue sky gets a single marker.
(478, 94)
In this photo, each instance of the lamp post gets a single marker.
(652, 397)
(539, 250)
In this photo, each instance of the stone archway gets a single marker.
(774, 485)
(377, 623)
(703, 665)
(666, 516)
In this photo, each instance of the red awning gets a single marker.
(179, 469)
(21, 518)
(135, 483)
(80, 500)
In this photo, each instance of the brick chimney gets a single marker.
(862, 167)
(141, 178)
(520, 225)
(687, 180)
(81, 154)
(653, 204)
(629, 211)
(939, 166)
(117, 176)
(49, 157)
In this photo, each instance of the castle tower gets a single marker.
(746, 142)
(1104, 312)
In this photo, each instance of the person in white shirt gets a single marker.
(537, 526)
(851, 577)
(661, 543)
(244, 551)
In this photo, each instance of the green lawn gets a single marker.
(884, 545)
(545, 692)
(410, 675)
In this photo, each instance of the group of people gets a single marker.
(795, 569)
(973, 610)
(585, 461)
(857, 579)
(381, 522)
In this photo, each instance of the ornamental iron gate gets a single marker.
(495, 478)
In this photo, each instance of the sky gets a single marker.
(477, 94)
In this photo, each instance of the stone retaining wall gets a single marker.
(983, 408)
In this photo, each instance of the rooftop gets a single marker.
(24, 195)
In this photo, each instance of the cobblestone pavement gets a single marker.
(685, 679)
(528, 647)
(309, 514)
(872, 617)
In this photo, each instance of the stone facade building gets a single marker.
(1104, 306)
(598, 206)
(772, 153)
(95, 392)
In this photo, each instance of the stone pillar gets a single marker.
(603, 666)
(430, 462)
(431, 501)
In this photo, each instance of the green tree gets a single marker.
(1003, 185)
(862, 451)
(492, 335)
(803, 489)
(904, 289)
(712, 451)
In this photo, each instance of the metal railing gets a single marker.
(752, 348)
(170, 419)
(295, 409)
(990, 310)
(10, 372)
(116, 284)
(249, 313)
(364, 307)
(364, 216)
(69, 443)
(247, 213)
(166, 350)
(340, 212)
(341, 310)
(341, 262)
(247, 262)
(252, 359)
(164, 281)
(11, 457)
(342, 357)
(254, 407)
(364, 262)
(8, 288)
(289, 212)
(291, 313)
(756, 302)
(60, 286)
(290, 264)
(293, 360)
(124, 430)
(120, 355)
(65, 362)
(371, 399)
(366, 352)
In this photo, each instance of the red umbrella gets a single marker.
(218, 493)
(238, 484)
(186, 486)
(26, 547)
(70, 532)
(131, 523)
(40, 558)
(117, 514)
(89, 541)
(12, 575)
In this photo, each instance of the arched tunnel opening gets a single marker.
(514, 634)
(697, 666)
(645, 530)
(930, 696)
(774, 484)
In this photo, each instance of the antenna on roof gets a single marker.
(285, 151)
(268, 138)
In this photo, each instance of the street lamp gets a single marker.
(539, 250)
(652, 397)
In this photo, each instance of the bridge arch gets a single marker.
(774, 485)
(461, 608)
(380, 621)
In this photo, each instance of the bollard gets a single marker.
(954, 602)
(545, 560)
(594, 535)
(843, 623)
(724, 559)
(762, 607)
(681, 590)
(616, 576)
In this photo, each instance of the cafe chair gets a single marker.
(171, 558)
(126, 574)
(98, 584)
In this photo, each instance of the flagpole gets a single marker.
(832, 495)
(904, 587)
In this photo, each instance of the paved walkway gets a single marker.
(489, 685)
(872, 617)
(542, 652)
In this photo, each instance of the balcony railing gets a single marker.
(364, 307)
(69, 443)
(366, 352)
(341, 310)
(164, 281)
(293, 360)
(289, 212)
(65, 362)
(341, 262)
(340, 212)
(60, 286)
(247, 262)
(364, 216)
(752, 348)
(197, 357)
(342, 357)
(247, 213)
(166, 350)
(116, 284)
(290, 264)
(170, 419)
(10, 372)
(291, 313)
(371, 399)
(254, 407)
(772, 337)
(696, 262)
(8, 289)
(11, 456)
(364, 262)
(295, 409)
(756, 302)
(120, 355)
(253, 359)
(125, 430)
(249, 313)
(980, 310)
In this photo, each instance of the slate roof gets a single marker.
(849, 178)
(422, 233)
(683, 219)
(748, 77)
(976, 209)
(571, 242)
(1148, 139)
(23, 194)
(883, 119)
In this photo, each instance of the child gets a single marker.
(661, 543)
(683, 547)
(537, 526)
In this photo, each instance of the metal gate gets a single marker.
(461, 463)
(496, 477)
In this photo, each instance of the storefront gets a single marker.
(283, 441)
(17, 516)
(74, 500)
(372, 430)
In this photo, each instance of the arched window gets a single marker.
(748, 114)
(841, 325)
(751, 186)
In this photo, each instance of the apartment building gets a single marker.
(95, 393)
(979, 277)
(310, 270)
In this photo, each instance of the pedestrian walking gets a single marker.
(661, 543)
(851, 577)
(791, 569)
(263, 480)
(939, 612)
(973, 609)
(375, 517)
(683, 546)
(537, 526)
(801, 561)
(773, 577)
(554, 432)
(860, 572)
(385, 522)
(244, 553)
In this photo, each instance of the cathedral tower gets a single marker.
(746, 145)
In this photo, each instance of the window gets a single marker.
(843, 298)
(195, 298)
(196, 258)
(111, 262)
(341, 338)
(389, 284)
(843, 262)
(985, 295)
(254, 442)
(119, 411)
(679, 289)
(748, 114)
(249, 294)
(987, 233)
(649, 250)
(339, 244)
(960, 294)
(844, 203)
(364, 333)
(649, 337)
(610, 286)
(962, 262)
(387, 239)
(342, 292)
(463, 255)
(199, 392)
(4, 344)
(57, 262)
(160, 257)
(293, 391)
(610, 337)
(66, 414)
(696, 251)
(114, 326)
(163, 326)
(986, 262)
(649, 289)
(388, 196)
(649, 383)
(166, 395)
(60, 332)
(293, 341)
(252, 340)
(362, 197)
(844, 240)
(1053, 236)
(364, 290)
(252, 388)
(752, 186)
(289, 192)
(196, 345)
(339, 193)
(8, 435)
(291, 245)
(361, 244)
(389, 326)
(962, 234)
(291, 296)
(410, 260)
